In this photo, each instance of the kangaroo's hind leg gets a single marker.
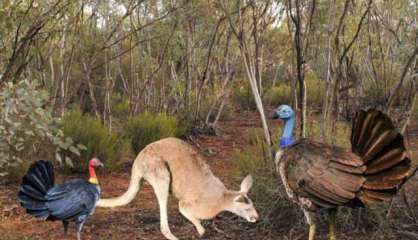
(159, 178)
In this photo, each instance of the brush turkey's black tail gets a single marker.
(35, 184)
(375, 139)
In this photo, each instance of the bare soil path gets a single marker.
(140, 219)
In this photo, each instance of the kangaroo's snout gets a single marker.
(251, 215)
(252, 219)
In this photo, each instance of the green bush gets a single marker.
(226, 113)
(146, 128)
(88, 131)
(243, 97)
(121, 106)
(277, 95)
(282, 93)
(314, 88)
(341, 136)
(28, 129)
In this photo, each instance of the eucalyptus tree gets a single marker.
(302, 25)
(248, 20)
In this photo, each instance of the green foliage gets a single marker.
(243, 97)
(227, 112)
(282, 93)
(146, 128)
(88, 131)
(120, 107)
(277, 95)
(314, 90)
(28, 129)
(341, 136)
(207, 103)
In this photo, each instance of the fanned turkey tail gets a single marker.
(35, 184)
(375, 139)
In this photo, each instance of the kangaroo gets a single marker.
(172, 165)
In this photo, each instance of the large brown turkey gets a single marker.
(321, 176)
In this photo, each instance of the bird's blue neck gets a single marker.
(287, 136)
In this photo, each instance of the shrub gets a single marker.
(146, 128)
(314, 91)
(283, 94)
(206, 106)
(243, 97)
(87, 130)
(341, 136)
(121, 107)
(277, 95)
(28, 130)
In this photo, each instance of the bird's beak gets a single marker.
(275, 115)
(100, 164)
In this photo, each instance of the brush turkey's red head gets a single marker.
(95, 162)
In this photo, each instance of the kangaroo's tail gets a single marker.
(129, 195)
(375, 139)
(35, 184)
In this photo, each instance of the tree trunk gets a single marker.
(87, 72)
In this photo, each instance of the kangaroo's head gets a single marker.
(239, 203)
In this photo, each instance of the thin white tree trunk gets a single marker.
(254, 89)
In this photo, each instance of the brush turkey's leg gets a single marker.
(160, 182)
(65, 224)
(359, 217)
(310, 218)
(79, 226)
(312, 231)
(332, 215)
(187, 214)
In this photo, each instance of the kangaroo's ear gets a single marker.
(246, 184)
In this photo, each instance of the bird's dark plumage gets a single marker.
(72, 201)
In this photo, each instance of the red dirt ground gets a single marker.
(140, 219)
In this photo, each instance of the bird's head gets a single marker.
(283, 112)
(95, 162)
